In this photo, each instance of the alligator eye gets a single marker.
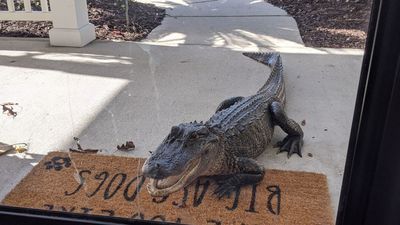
(193, 136)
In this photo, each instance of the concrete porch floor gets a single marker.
(111, 92)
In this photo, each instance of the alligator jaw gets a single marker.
(159, 188)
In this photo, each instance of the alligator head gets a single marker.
(184, 155)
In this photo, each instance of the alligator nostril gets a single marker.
(153, 170)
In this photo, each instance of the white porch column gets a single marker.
(71, 25)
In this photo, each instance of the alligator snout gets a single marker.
(154, 170)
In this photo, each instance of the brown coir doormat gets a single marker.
(109, 185)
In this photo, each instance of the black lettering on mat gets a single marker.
(275, 192)
(184, 198)
(139, 216)
(107, 194)
(158, 218)
(64, 209)
(48, 206)
(86, 210)
(132, 197)
(109, 212)
(253, 199)
(81, 182)
(101, 176)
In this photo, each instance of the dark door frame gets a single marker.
(371, 185)
(370, 192)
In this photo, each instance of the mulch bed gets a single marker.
(108, 17)
(329, 23)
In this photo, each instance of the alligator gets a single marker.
(225, 146)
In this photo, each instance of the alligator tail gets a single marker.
(270, 59)
(273, 60)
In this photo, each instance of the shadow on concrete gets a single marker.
(98, 58)
(102, 58)
(15, 166)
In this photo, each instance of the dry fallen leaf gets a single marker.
(87, 151)
(128, 146)
(8, 109)
(21, 148)
(81, 150)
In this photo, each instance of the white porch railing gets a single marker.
(70, 20)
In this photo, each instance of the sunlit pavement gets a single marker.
(111, 92)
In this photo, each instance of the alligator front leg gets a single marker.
(246, 172)
(228, 103)
(293, 142)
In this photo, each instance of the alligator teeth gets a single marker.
(164, 187)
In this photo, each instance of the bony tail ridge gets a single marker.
(267, 58)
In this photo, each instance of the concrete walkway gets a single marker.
(111, 92)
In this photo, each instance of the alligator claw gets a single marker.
(224, 189)
(291, 145)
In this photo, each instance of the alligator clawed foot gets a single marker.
(291, 145)
(224, 189)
